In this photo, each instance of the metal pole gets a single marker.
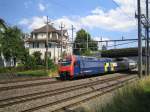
(106, 45)
(46, 54)
(114, 44)
(61, 38)
(72, 29)
(87, 41)
(58, 50)
(72, 32)
(145, 54)
(147, 35)
(54, 50)
(139, 40)
(101, 43)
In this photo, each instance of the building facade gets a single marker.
(57, 42)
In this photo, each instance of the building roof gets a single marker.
(44, 29)
(50, 29)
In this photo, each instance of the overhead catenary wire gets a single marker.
(112, 45)
(123, 44)
(70, 9)
(121, 9)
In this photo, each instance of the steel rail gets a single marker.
(61, 103)
(104, 91)
(66, 97)
(25, 98)
(28, 83)
(24, 79)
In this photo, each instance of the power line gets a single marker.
(122, 44)
(117, 40)
(121, 9)
(112, 45)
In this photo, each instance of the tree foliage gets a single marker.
(3, 27)
(80, 46)
(12, 45)
(2, 24)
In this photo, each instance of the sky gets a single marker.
(109, 19)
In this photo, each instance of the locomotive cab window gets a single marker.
(66, 63)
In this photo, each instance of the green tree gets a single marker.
(3, 27)
(3, 24)
(80, 46)
(87, 53)
(12, 45)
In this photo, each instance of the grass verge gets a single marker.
(132, 98)
(36, 73)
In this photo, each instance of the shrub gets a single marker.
(20, 68)
(51, 64)
(30, 62)
(37, 57)
(34, 73)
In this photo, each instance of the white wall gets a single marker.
(40, 36)
(55, 52)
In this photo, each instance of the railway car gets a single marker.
(77, 66)
(125, 64)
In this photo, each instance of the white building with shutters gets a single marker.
(37, 42)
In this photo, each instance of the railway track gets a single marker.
(29, 90)
(52, 92)
(56, 96)
(29, 83)
(24, 79)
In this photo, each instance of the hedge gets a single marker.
(19, 69)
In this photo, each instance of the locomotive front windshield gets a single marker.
(65, 63)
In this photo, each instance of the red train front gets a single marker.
(66, 67)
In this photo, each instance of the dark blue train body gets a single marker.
(91, 66)
(76, 66)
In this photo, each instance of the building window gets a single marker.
(35, 44)
(58, 46)
(49, 45)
